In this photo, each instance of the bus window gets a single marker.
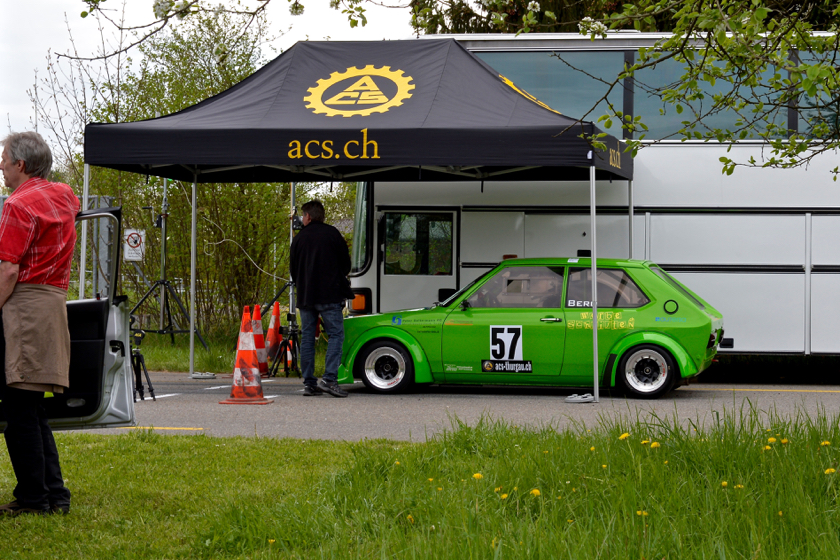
(418, 244)
(362, 227)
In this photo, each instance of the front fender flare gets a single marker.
(422, 368)
(684, 361)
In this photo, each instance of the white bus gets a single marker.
(761, 245)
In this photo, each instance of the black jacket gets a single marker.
(319, 264)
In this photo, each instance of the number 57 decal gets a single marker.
(506, 342)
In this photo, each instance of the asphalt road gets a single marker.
(188, 406)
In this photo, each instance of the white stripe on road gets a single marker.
(271, 396)
(148, 398)
(219, 387)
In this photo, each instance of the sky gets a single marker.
(34, 27)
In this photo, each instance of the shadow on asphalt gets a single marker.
(774, 370)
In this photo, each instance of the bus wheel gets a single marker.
(647, 371)
(385, 366)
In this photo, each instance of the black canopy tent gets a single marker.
(415, 110)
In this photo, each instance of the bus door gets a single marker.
(417, 258)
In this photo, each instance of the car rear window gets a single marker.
(615, 289)
(673, 282)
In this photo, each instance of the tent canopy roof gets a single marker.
(386, 110)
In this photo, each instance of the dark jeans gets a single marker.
(333, 322)
(32, 451)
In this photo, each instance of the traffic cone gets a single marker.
(259, 342)
(274, 336)
(246, 387)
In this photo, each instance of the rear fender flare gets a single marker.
(684, 362)
(422, 368)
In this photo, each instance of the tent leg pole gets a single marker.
(193, 252)
(593, 241)
(192, 279)
(83, 254)
(631, 209)
(292, 238)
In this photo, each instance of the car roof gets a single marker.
(576, 261)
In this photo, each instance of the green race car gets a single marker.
(529, 322)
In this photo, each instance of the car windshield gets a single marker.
(673, 282)
(448, 301)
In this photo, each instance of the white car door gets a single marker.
(101, 392)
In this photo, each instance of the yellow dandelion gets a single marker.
(271, 541)
(771, 440)
(654, 445)
(780, 513)
(410, 518)
(504, 496)
(625, 435)
(645, 441)
(824, 443)
(603, 466)
(515, 488)
(478, 476)
(666, 462)
(739, 486)
(570, 520)
(784, 441)
(724, 484)
(546, 452)
(497, 488)
(559, 497)
(439, 488)
(592, 448)
(535, 492)
(431, 480)
(640, 512)
(574, 489)
(830, 471)
(396, 462)
(767, 448)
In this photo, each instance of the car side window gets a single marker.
(522, 287)
(615, 289)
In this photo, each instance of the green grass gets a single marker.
(468, 493)
(161, 355)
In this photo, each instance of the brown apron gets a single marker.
(37, 338)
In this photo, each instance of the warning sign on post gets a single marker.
(134, 244)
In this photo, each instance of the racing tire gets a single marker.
(385, 366)
(647, 372)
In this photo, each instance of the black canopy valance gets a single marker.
(387, 110)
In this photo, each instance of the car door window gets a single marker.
(522, 287)
(615, 289)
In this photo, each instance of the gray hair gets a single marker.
(30, 148)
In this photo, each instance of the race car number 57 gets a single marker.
(506, 342)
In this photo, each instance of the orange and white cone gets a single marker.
(246, 387)
(274, 336)
(259, 342)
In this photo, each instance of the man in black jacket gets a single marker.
(320, 263)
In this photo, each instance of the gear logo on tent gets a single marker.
(358, 94)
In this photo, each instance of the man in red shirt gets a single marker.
(37, 239)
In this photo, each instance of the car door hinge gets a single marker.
(118, 346)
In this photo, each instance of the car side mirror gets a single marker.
(465, 304)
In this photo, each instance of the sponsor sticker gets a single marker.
(507, 366)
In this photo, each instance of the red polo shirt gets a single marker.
(38, 232)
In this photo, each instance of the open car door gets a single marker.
(101, 393)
